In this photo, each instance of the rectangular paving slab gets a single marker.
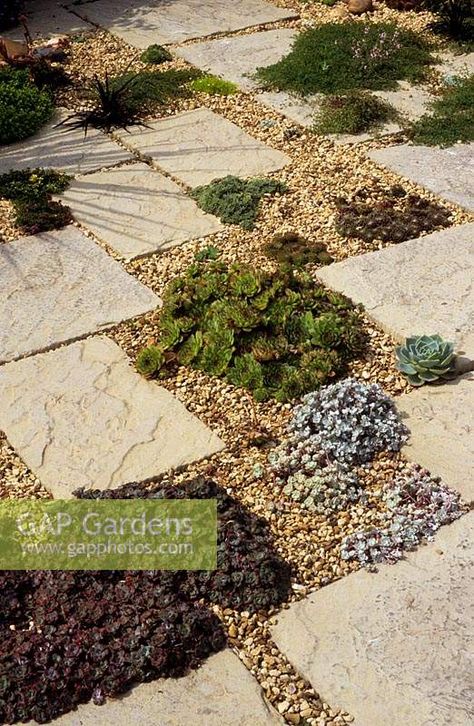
(237, 58)
(58, 286)
(441, 422)
(393, 647)
(143, 22)
(82, 416)
(137, 210)
(67, 150)
(199, 146)
(419, 287)
(47, 19)
(220, 693)
(447, 172)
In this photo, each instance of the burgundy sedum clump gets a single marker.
(69, 637)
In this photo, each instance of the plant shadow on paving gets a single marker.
(88, 635)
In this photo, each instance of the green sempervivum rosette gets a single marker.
(425, 358)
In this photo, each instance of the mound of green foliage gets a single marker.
(30, 191)
(341, 56)
(290, 248)
(352, 113)
(452, 117)
(277, 335)
(214, 86)
(234, 200)
(155, 54)
(24, 108)
(396, 217)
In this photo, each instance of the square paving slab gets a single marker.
(220, 693)
(137, 210)
(447, 172)
(47, 19)
(143, 22)
(199, 146)
(393, 647)
(82, 416)
(419, 287)
(69, 151)
(441, 422)
(58, 286)
(238, 57)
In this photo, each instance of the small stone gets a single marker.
(283, 706)
(358, 7)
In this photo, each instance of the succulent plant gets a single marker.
(277, 334)
(290, 248)
(155, 54)
(425, 358)
(417, 506)
(30, 191)
(327, 490)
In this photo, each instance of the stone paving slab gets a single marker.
(47, 19)
(70, 151)
(220, 693)
(137, 210)
(143, 22)
(422, 286)
(199, 146)
(238, 57)
(58, 286)
(441, 422)
(455, 65)
(82, 416)
(447, 172)
(393, 647)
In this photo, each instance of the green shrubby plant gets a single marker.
(337, 57)
(155, 54)
(24, 108)
(30, 192)
(452, 116)
(277, 334)
(352, 113)
(425, 359)
(214, 86)
(234, 200)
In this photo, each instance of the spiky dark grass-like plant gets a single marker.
(30, 191)
(396, 217)
(338, 57)
(277, 334)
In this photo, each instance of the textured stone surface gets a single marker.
(447, 172)
(454, 65)
(142, 22)
(199, 146)
(57, 286)
(221, 693)
(441, 422)
(238, 57)
(82, 416)
(410, 101)
(393, 647)
(70, 151)
(137, 210)
(47, 19)
(421, 286)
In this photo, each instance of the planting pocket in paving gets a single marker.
(137, 210)
(199, 146)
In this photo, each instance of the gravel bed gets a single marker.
(319, 172)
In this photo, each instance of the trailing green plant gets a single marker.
(451, 118)
(24, 108)
(338, 57)
(277, 334)
(155, 54)
(30, 192)
(214, 86)
(119, 102)
(352, 113)
(290, 248)
(396, 217)
(456, 17)
(425, 358)
(234, 200)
